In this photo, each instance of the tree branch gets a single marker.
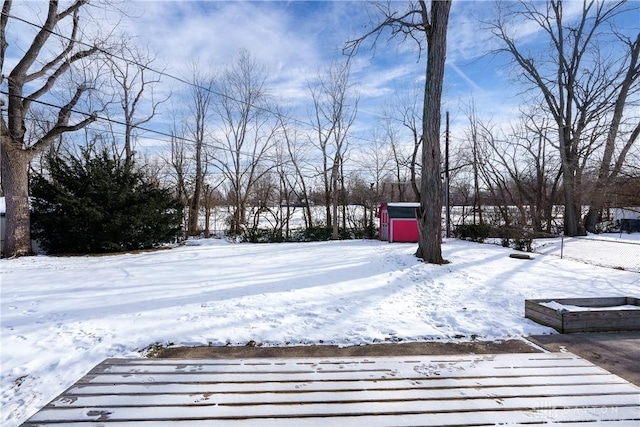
(6, 7)
(62, 124)
(404, 24)
(64, 67)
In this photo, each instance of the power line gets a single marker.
(176, 78)
(147, 67)
(176, 137)
(171, 76)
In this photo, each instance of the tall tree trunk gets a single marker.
(15, 178)
(194, 207)
(334, 206)
(571, 215)
(412, 169)
(430, 211)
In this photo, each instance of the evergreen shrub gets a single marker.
(95, 203)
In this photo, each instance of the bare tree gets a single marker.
(134, 89)
(575, 78)
(295, 156)
(410, 115)
(247, 131)
(178, 165)
(516, 168)
(401, 166)
(34, 76)
(424, 25)
(610, 167)
(376, 160)
(473, 135)
(335, 106)
(201, 109)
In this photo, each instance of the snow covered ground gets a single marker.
(63, 315)
(616, 250)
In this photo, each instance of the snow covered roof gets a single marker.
(404, 204)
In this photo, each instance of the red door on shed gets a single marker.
(404, 230)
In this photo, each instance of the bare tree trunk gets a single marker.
(343, 196)
(430, 211)
(196, 197)
(14, 185)
(208, 205)
(291, 150)
(412, 168)
(418, 19)
(334, 197)
(473, 134)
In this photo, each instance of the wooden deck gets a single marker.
(530, 388)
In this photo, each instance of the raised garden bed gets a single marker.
(568, 315)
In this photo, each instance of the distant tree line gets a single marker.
(234, 144)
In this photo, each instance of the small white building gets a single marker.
(626, 213)
(627, 218)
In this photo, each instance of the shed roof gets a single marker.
(404, 211)
(404, 204)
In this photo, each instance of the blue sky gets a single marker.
(297, 39)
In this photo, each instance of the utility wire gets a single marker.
(174, 136)
(180, 79)
(153, 70)
(164, 74)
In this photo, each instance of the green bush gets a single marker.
(474, 232)
(95, 203)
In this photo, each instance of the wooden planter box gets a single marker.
(568, 315)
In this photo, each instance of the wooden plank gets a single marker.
(326, 409)
(415, 390)
(395, 384)
(501, 418)
(568, 418)
(308, 364)
(544, 315)
(407, 414)
(633, 301)
(132, 371)
(70, 400)
(434, 371)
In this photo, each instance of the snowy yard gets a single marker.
(61, 316)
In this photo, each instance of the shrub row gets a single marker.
(521, 240)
